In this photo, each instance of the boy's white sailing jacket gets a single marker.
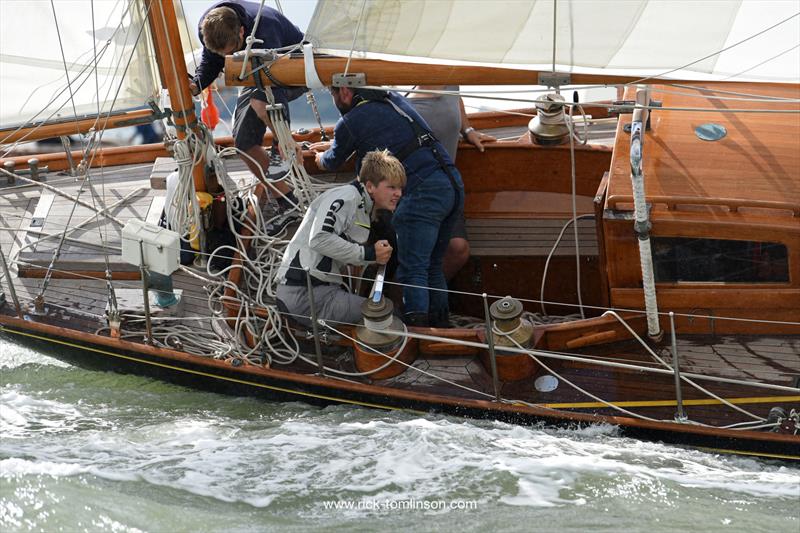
(333, 234)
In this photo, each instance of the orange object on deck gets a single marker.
(210, 114)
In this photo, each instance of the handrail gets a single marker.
(733, 204)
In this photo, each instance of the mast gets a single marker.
(169, 53)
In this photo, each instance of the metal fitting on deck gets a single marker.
(10, 167)
(509, 326)
(548, 127)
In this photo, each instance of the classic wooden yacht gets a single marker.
(638, 266)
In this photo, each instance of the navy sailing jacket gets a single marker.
(375, 125)
(273, 28)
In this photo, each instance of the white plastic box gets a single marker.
(161, 247)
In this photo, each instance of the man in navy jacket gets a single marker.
(223, 30)
(433, 197)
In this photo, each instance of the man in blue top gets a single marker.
(223, 30)
(374, 120)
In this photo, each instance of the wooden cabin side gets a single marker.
(517, 200)
(725, 214)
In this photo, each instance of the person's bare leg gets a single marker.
(260, 166)
(455, 257)
(258, 152)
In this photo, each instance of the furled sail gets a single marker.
(73, 57)
(634, 37)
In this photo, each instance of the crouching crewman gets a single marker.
(334, 233)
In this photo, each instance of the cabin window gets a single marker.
(678, 259)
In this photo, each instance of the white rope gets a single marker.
(573, 197)
(251, 40)
(550, 255)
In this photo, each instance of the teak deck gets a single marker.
(518, 199)
(747, 165)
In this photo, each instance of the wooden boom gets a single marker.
(290, 70)
(34, 132)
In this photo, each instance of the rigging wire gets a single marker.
(355, 36)
(100, 228)
(765, 97)
(188, 34)
(64, 61)
(608, 105)
(87, 177)
(251, 39)
(85, 73)
(555, 33)
(553, 354)
(709, 56)
(795, 47)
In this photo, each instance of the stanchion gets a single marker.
(143, 271)
(314, 326)
(680, 416)
(490, 342)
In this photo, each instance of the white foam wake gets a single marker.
(308, 454)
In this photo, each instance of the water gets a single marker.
(94, 451)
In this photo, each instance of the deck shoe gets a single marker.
(278, 167)
(287, 201)
(279, 223)
(439, 319)
(419, 320)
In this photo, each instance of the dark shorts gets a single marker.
(248, 129)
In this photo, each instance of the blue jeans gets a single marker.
(423, 222)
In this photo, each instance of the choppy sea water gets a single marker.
(96, 451)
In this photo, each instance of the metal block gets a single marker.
(358, 79)
(554, 79)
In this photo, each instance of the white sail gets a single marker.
(37, 40)
(635, 37)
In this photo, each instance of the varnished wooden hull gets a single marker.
(98, 352)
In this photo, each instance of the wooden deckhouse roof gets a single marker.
(756, 165)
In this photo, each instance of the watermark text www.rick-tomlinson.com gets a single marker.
(400, 505)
